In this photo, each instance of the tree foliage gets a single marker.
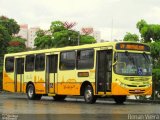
(140, 24)
(131, 37)
(10, 24)
(87, 39)
(65, 38)
(149, 32)
(61, 35)
(57, 26)
(17, 44)
(45, 41)
(4, 39)
(155, 53)
(40, 33)
(8, 27)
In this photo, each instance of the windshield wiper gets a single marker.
(129, 57)
(146, 57)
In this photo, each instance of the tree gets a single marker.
(65, 38)
(42, 42)
(40, 33)
(4, 39)
(131, 37)
(10, 24)
(70, 38)
(61, 35)
(57, 26)
(149, 32)
(142, 23)
(155, 53)
(69, 25)
(43, 39)
(86, 39)
(17, 44)
(7, 28)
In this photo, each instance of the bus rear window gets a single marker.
(9, 64)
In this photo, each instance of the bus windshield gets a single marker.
(133, 64)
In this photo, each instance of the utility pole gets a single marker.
(78, 38)
(112, 29)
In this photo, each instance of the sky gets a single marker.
(113, 18)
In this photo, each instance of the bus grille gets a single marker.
(136, 85)
(136, 92)
(136, 79)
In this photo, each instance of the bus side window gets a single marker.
(67, 60)
(9, 64)
(29, 64)
(40, 62)
(85, 59)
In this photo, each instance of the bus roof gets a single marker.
(103, 44)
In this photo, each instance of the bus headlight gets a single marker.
(120, 83)
(149, 85)
(123, 85)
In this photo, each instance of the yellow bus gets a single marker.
(115, 69)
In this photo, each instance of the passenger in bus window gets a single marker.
(130, 68)
(130, 65)
(62, 66)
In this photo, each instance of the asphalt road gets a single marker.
(17, 106)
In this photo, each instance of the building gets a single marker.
(29, 34)
(23, 32)
(97, 36)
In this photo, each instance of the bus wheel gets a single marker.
(31, 93)
(120, 99)
(59, 97)
(89, 95)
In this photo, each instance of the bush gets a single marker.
(156, 79)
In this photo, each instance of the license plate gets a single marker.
(137, 90)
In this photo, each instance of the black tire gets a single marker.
(89, 95)
(31, 93)
(59, 97)
(120, 99)
(158, 95)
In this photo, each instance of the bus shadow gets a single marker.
(46, 99)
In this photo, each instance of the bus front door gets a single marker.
(104, 71)
(19, 74)
(51, 75)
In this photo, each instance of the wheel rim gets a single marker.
(30, 92)
(88, 95)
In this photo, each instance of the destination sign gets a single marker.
(132, 46)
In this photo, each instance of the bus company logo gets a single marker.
(143, 116)
(6, 116)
